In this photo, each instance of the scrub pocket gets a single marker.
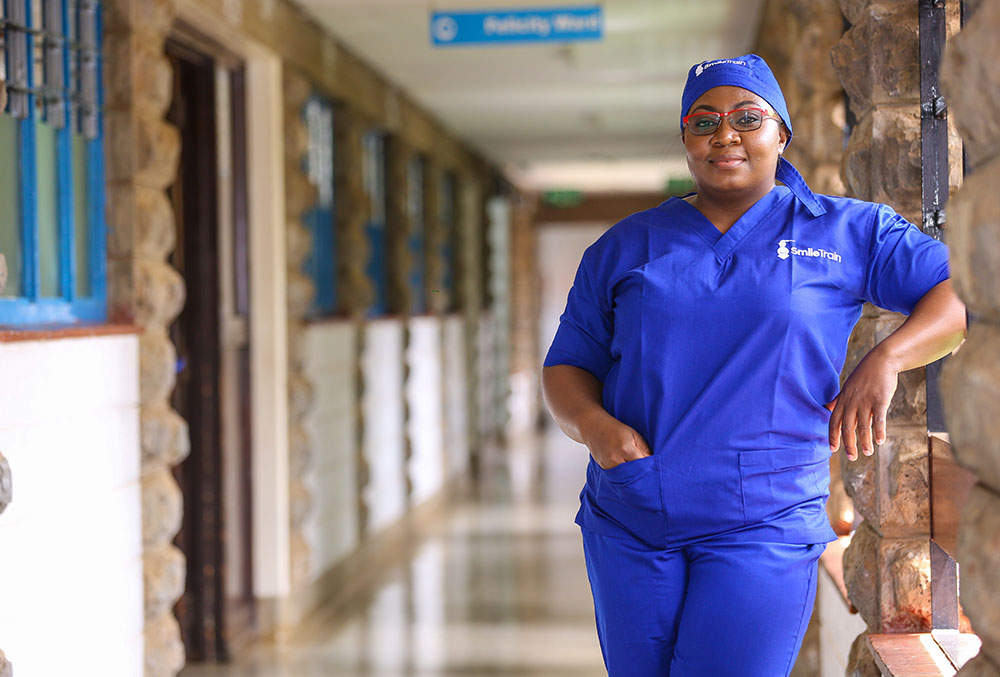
(629, 494)
(776, 480)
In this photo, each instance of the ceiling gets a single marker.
(596, 116)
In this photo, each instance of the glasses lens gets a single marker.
(704, 123)
(745, 119)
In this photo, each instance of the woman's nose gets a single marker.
(725, 134)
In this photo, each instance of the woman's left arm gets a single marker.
(934, 328)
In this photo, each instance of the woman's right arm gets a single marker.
(573, 396)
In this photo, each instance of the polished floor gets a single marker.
(498, 589)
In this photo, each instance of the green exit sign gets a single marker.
(562, 198)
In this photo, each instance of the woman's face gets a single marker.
(731, 164)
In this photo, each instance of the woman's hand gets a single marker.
(612, 443)
(862, 406)
(934, 328)
(573, 396)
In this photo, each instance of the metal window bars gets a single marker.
(51, 59)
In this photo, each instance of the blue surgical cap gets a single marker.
(748, 71)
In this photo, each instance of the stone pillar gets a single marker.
(795, 39)
(971, 381)
(356, 291)
(469, 288)
(399, 230)
(6, 496)
(525, 312)
(887, 565)
(300, 197)
(399, 225)
(142, 153)
(6, 484)
(435, 238)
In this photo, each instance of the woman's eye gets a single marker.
(705, 121)
(748, 117)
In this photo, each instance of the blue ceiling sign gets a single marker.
(550, 24)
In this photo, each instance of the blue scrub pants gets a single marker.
(705, 610)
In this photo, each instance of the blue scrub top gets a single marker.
(721, 351)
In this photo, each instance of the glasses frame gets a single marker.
(764, 116)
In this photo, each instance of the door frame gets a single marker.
(268, 311)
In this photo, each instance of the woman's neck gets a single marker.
(725, 210)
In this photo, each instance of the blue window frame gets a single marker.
(446, 214)
(321, 266)
(415, 242)
(52, 229)
(373, 168)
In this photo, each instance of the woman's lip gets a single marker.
(726, 162)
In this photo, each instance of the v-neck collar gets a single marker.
(725, 243)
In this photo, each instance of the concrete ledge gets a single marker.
(926, 654)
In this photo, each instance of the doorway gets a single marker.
(217, 612)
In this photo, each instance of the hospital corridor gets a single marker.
(496, 588)
(278, 279)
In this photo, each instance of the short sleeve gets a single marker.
(585, 328)
(903, 263)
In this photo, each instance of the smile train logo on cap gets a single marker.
(705, 65)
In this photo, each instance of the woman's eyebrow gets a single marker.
(713, 109)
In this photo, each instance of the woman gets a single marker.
(699, 359)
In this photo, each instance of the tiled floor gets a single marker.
(500, 589)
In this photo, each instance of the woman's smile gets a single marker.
(727, 161)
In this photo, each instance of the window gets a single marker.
(373, 168)
(319, 165)
(51, 163)
(446, 215)
(415, 242)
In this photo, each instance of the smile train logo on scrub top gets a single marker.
(784, 251)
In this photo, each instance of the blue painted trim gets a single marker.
(16, 312)
(320, 266)
(64, 190)
(417, 273)
(376, 268)
(30, 283)
(95, 185)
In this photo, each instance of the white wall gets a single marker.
(838, 627)
(382, 406)
(425, 427)
(455, 396)
(332, 525)
(71, 542)
(560, 248)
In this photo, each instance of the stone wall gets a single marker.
(300, 197)
(142, 156)
(795, 39)
(887, 565)
(971, 382)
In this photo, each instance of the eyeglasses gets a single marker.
(741, 119)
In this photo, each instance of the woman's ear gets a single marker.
(783, 138)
